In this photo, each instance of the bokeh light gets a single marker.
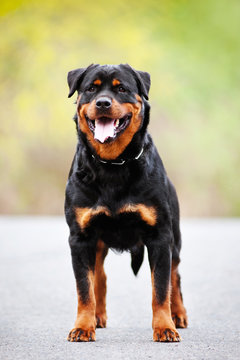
(190, 48)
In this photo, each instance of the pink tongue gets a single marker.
(104, 129)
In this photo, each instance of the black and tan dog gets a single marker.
(119, 196)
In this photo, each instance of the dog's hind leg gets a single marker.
(179, 314)
(100, 286)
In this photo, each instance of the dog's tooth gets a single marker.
(117, 123)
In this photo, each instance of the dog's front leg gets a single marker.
(159, 253)
(83, 261)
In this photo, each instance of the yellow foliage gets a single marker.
(191, 49)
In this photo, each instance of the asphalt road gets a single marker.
(38, 298)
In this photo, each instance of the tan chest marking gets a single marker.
(84, 215)
(147, 213)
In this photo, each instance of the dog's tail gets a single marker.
(137, 255)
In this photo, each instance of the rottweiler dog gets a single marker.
(118, 196)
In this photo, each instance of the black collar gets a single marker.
(121, 162)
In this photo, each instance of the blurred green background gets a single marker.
(190, 48)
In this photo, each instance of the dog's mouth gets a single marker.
(106, 129)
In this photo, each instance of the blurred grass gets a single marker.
(191, 49)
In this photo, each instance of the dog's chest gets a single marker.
(123, 224)
(85, 215)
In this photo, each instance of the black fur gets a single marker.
(137, 255)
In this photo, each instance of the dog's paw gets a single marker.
(166, 335)
(77, 335)
(180, 320)
(101, 320)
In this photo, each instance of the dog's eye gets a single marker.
(121, 89)
(91, 88)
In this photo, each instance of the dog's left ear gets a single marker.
(143, 80)
(75, 78)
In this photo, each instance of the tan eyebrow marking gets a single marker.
(97, 82)
(115, 82)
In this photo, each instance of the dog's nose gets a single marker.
(103, 103)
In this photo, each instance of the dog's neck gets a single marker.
(121, 161)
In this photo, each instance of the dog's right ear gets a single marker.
(75, 78)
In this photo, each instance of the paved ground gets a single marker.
(38, 300)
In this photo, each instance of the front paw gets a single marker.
(77, 335)
(166, 335)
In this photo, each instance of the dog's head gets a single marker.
(111, 105)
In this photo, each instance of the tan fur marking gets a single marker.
(178, 310)
(147, 213)
(138, 98)
(100, 287)
(175, 296)
(162, 323)
(111, 151)
(97, 82)
(115, 82)
(85, 324)
(161, 313)
(84, 215)
(86, 312)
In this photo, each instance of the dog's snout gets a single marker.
(103, 102)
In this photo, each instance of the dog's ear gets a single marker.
(75, 78)
(143, 81)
